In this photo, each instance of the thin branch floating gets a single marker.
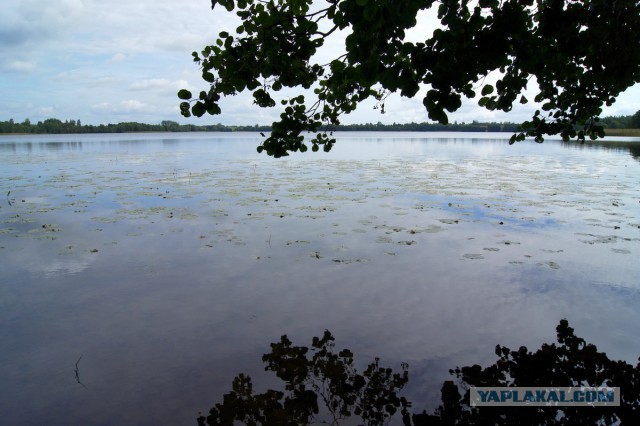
(78, 373)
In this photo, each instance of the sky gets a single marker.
(109, 61)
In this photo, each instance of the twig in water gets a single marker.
(8, 199)
(269, 240)
(78, 373)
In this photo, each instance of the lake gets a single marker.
(141, 272)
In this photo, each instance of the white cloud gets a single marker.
(118, 57)
(46, 110)
(20, 66)
(628, 103)
(159, 84)
(34, 21)
(70, 75)
(185, 43)
(102, 106)
(131, 106)
(128, 106)
(109, 80)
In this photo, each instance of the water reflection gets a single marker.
(125, 142)
(631, 147)
(305, 372)
(63, 146)
(171, 266)
(42, 146)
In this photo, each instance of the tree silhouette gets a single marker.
(581, 53)
(313, 375)
(574, 362)
(321, 386)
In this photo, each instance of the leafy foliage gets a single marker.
(317, 377)
(311, 374)
(572, 363)
(581, 53)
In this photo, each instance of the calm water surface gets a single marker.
(169, 262)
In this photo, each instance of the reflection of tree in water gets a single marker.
(318, 383)
(634, 149)
(324, 387)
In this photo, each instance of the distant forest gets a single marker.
(55, 126)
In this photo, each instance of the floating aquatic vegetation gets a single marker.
(473, 256)
(449, 221)
(298, 242)
(552, 265)
(621, 251)
(384, 240)
(348, 261)
(604, 239)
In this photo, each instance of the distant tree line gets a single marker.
(55, 126)
(474, 126)
(622, 121)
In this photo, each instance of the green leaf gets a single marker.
(207, 76)
(229, 5)
(487, 90)
(488, 3)
(184, 109)
(184, 94)
(214, 110)
(198, 109)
